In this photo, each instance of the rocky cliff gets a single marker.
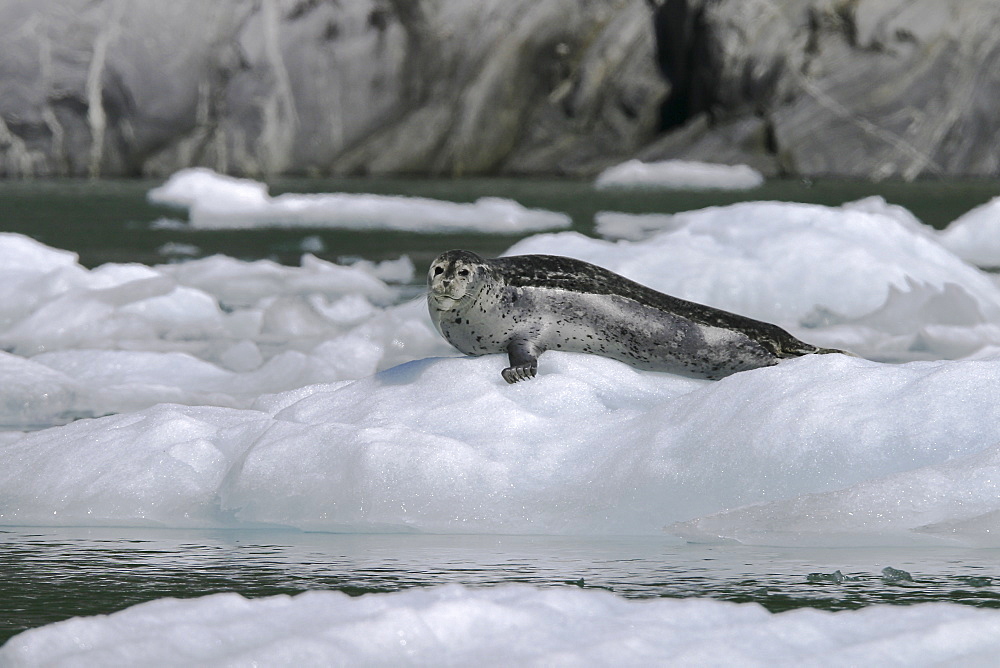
(865, 88)
(871, 88)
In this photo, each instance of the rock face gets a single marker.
(870, 88)
(863, 88)
(110, 87)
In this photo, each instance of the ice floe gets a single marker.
(679, 175)
(864, 276)
(315, 397)
(591, 446)
(504, 626)
(216, 331)
(975, 236)
(215, 201)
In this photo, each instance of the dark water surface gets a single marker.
(47, 575)
(111, 221)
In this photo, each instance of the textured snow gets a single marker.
(865, 276)
(589, 447)
(505, 626)
(215, 331)
(246, 394)
(975, 236)
(679, 175)
(215, 201)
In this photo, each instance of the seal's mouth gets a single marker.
(445, 302)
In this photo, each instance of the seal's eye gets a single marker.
(463, 272)
(438, 271)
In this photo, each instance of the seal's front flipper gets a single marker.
(523, 356)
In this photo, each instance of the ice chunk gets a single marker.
(19, 253)
(191, 187)
(215, 202)
(894, 575)
(124, 336)
(877, 204)
(312, 244)
(679, 174)
(631, 226)
(835, 577)
(178, 250)
(787, 263)
(505, 626)
(33, 395)
(975, 236)
(956, 498)
(822, 448)
(920, 322)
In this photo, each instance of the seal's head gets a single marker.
(455, 276)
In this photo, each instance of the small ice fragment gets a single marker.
(178, 249)
(836, 577)
(679, 174)
(890, 575)
(979, 581)
(312, 244)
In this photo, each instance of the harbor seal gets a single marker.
(527, 304)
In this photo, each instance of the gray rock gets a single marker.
(862, 88)
(108, 87)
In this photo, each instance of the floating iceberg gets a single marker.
(504, 626)
(861, 276)
(214, 331)
(831, 445)
(215, 201)
(975, 236)
(287, 425)
(679, 175)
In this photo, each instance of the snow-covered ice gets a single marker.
(213, 331)
(215, 201)
(286, 425)
(591, 446)
(505, 626)
(679, 175)
(248, 394)
(862, 276)
(975, 236)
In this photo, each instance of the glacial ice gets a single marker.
(504, 626)
(249, 394)
(591, 446)
(679, 175)
(215, 201)
(863, 276)
(215, 331)
(975, 236)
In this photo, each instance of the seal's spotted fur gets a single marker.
(527, 304)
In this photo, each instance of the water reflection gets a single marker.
(54, 574)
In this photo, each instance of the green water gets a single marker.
(110, 221)
(53, 574)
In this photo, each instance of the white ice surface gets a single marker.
(215, 331)
(975, 236)
(816, 447)
(819, 450)
(215, 201)
(679, 175)
(591, 446)
(220, 331)
(865, 276)
(506, 626)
